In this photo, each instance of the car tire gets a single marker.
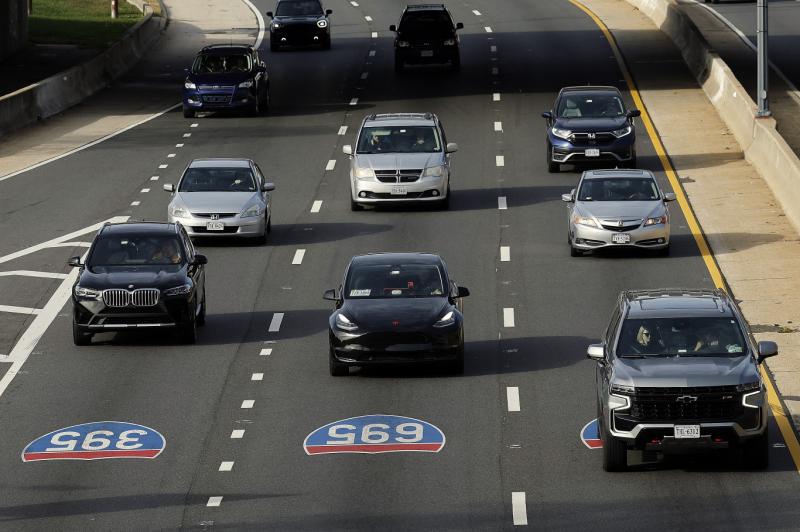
(188, 113)
(255, 109)
(274, 45)
(632, 162)
(456, 367)
(552, 167)
(615, 452)
(201, 317)
(326, 43)
(574, 252)
(355, 206)
(269, 224)
(755, 452)
(263, 238)
(188, 331)
(663, 252)
(444, 204)
(455, 64)
(263, 103)
(80, 336)
(337, 369)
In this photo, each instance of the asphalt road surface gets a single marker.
(516, 54)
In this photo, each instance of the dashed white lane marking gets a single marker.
(343, 130)
(72, 245)
(257, 377)
(170, 156)
(354, 101)
(477, 13)
(214, 501)
(135, 203)
(162, 166)
(488, 29)
(495, 71)
(364, 75)
(267, 351)
(493, 48)
(368, 18)
(316, 206)
(298, 256)
(179, 145)
(374, 34)
(187, 135)
(372, 53)
(237, 434)
(20, 310)
(226, 466)
(194, 125)
(275, 324)
(501, 203)
(154, 178)
(498, 126)
(505, 254)
(519, 509)
(31, 273)
(331, 165)
(248, 403)
(354, 4)
(499, 160)
(508, 317)
(512, 396)
(145, 190)
(496, 97)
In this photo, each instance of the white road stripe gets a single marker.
(519, 509)
(496, 97)
(501, 203)
(257, 377)
(154, 178)
(372, 53)
(343, 130)
(145, 190)
(262, 27)
(354, 4)
(226, 466)
(275, 324)
(179, 145)
(508, 317)
(477, 13)
(237, 434)
(31, 273)
(20, 310)
(170, 156)
(194, 125)
(493, 48)
(364, 75)
(135, 203)
(354, 101)
(298, 256)
(187, 135)
(72, 245)
(331, 165)
(488, 29)
(498, 126)
(499, 160)
(248, 403)
(162, 166)
(505, 254)
(316, 206)
(368, 18)
(265, 352)
(512, 396)
(214, 501)
(374, 34)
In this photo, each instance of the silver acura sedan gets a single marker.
(222, 197)
(617, 208)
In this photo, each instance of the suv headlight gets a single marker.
(322, 23)
(276, 25)
(252, 211)
(434, 171)
(585, 220)
(658, 220)
(748, 386)
(449, 318)
(364, 173)
(622, 132)
(449, 42)
(623, 388)
(344, 323)
(403, 44)
(754, 398)
(178, 212)
(178, 290)
(86, 293)
(246, 84)
(189, 85)
(561, 133)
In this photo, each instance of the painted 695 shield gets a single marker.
(372, 434)
(96, 441)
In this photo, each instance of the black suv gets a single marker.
(678, 371)
(139, 275)
(226, 77)
(426, 34)
(299, 22)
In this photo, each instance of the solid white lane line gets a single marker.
(194, 125)
(179, 145)
(257, 377)
(262, 27)
(508, 317)
(331, 165)
(298, 256)
(354, 101)
(343, 130)
(488, 29)
(32, 273)
(170, 156)
(187, 135)
(505, 253)
(374, 34)
(368, 18)
(498, 126)
(501, 203)
(493, 48)
(237, 434)
(20, 310)
(154, 178)
(265, 352)
(372, 53)
(500, 160)
(248, 403)
(226, 466)
(364, 75)
(72, 245)
(519, 509)
(135, 203)
(496, 97)
(512, 396)
(477, 13)
(162, 166)
(145, 190)
(495, 71)
(316, 206)
(275, 324)
(214, 501)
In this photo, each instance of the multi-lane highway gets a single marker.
(235, 408)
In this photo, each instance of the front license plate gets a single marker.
(399, 191)
(426, 53)
(215, 226)
(621, 238)
(687, 431)
(592, 152)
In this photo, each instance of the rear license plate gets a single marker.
(592, 152)
(687, 431)
(215, 226)
(621, 238)
(426, 53)
(399, 191)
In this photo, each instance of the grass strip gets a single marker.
(85, 23)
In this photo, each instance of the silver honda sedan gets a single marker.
(222, 197)
(615, 208)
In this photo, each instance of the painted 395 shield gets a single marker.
(374, 434)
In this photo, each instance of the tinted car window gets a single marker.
(399, 139)
(129, 250)
(217, 180)
(618, 189)
(221, 64)
(720, 336)
(426, 22)
(298, 8)
(394, 281)
(577, 105)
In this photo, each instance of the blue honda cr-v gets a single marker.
(226, 77)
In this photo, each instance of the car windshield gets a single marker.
(298, 8)
(430, 22)
(217, 180)
(131, 250)
(399, 139)
(585, 105)
(375, 281)
(618, 189)
(708, 337)
(221, 64)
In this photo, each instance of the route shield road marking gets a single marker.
(590, 435)
(375, 434)
(96, 441)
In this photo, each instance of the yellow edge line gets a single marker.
(778, 412)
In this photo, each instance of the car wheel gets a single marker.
(615, 452)
(755, 452)
(274, 45)
(80, 336)
(262, 240)
(552, 167)
(188, 113)
(269, 224)
(445, 203)
(188, 332)
(255, 110)
(355, 206)
(338, 369)
(201, 318)
(263, 102)
(457, 365)
(632, 162)
(663, 252)
(574, 252)
(326, 43)
(455, 64)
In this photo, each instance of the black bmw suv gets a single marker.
(426, 34)
(298, 22)
(139, 275)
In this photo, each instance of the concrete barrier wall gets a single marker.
(759, 139)
(65, 89)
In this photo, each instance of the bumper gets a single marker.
(300, 35)
(390, 347)
(372, 191)
(235, 226)
(215, 101)
(618, 150)
(427, 55)
(96, 317)
(650, 237)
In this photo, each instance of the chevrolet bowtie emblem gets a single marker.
(686, 399)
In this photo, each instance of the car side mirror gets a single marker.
(548, 115)
(633, 113)
(463, 291)
(567, 198)
(199, 260)
(347, 149)
(452, 147)
(330, 295)
(460, 26)
(766, 349)
(669, 196)
(596, 352)
(328, 12)
(169, 187)
(270, 15)
(392, 28)
(268, 187)
(75, 262)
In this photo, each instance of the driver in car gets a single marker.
(166, 253)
